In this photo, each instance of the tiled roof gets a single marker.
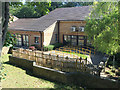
(40, 24)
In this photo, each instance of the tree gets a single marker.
(4, 9)
(27, 12)
(30, 9)
(74, 4)
(102, 27)
(38, 9)
(10, 40)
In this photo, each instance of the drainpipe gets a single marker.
(58, 29)
(41, 39)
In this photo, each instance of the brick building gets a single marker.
(63, 25)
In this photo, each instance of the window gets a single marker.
(73, 28)
(75, 40)
(19, 40)
(80, 37)
(25, 40)
(56, 37)
(81, 29)
(80, 42)
(22, 40)
(36, 40)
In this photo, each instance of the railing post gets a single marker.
(61, 65)
(76, 65)
(85, 64)
(50, 57)
(90, 52)
(80, 63)
(35, 56)
(94, 51)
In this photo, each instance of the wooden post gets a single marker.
(82, 50)
(51, 60)
(76, 65)
(43, 61)
(90, 53)
(80, 62)
(85, 63)
(85, 52)
(61, 65)
(94, 51)
(35, 55)
(82, 66)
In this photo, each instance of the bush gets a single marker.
(32, 47)
(36, 46)
(49, 47)
(56, 45)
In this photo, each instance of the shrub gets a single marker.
(32, 47)
(56, 45)
(49, 47)
(36, 46)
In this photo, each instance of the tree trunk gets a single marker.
(4, 19)
(1, 28)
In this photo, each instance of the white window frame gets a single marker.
(81, 29)
(73, 29)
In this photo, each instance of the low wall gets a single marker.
(48, 73)
(28, 64)
(77, 78)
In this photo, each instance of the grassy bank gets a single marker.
(15, 77)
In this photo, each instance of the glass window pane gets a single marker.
(74, 42)
(36, 39)
(68, 38)
(81, 37)
(65, 37)
(74, 37)
(80, 42)
(27, 38)
(20, 44)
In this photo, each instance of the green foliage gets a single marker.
(38, 9)
(10, 40)
(73, 4)
(49, 47)
(30, 9)
(57, 45)
(102, 27)
(27, 12)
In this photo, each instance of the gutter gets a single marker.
(41, 39)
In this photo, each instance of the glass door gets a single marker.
(73, 40)
(25, 40)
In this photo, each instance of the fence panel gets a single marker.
(57, 62)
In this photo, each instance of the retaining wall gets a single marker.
(28, 64)
(78, 78)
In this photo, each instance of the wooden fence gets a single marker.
(56, 62)
(80, 50)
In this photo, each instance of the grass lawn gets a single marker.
(16, 77)
(80, 55)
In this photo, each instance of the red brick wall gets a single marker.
(65, 27)
(30, 34)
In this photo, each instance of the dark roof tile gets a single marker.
(40, 24)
